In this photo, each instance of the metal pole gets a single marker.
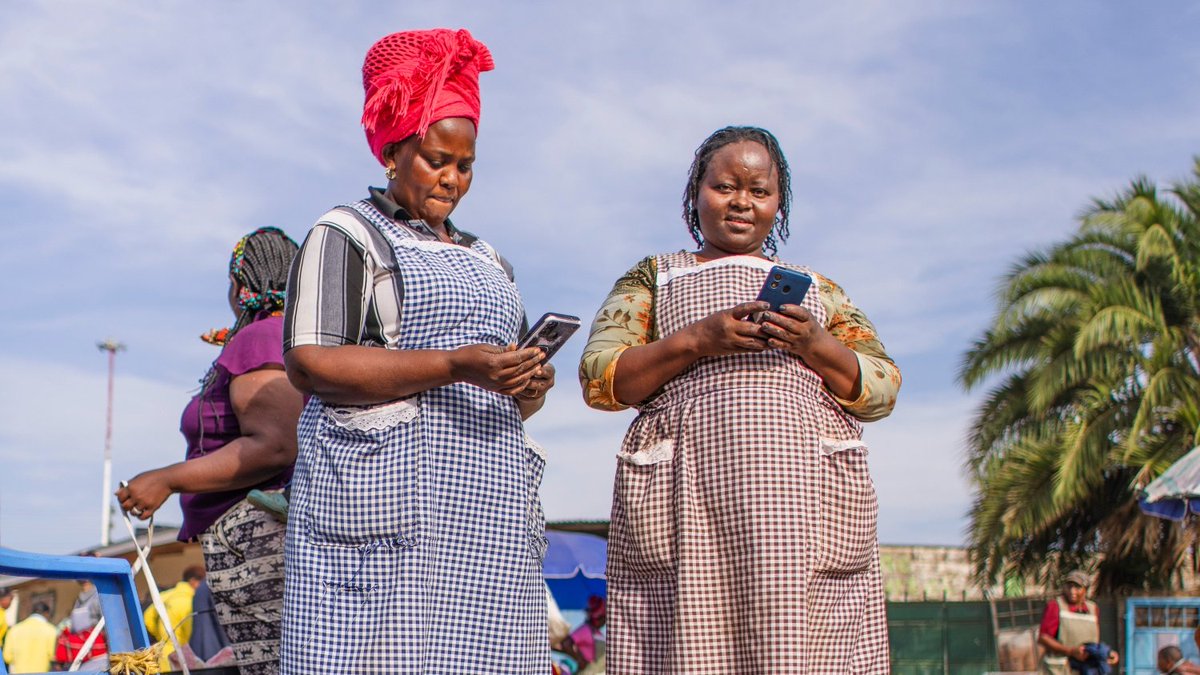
(112, 347)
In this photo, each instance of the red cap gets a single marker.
(416, 78)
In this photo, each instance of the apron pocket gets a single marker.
(366, 476)
(849, 517)
(535, 518)
(648, 545)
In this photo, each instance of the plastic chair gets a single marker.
(114, 582)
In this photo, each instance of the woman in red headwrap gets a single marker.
(415, 537)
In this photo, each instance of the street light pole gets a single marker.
(112, 347)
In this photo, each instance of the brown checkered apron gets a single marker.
(743, 535)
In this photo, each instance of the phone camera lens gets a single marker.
(787, 289)
(778, 276)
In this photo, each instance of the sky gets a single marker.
(931, 145)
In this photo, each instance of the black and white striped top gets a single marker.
(345, 287)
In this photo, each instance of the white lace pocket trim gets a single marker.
(663, 451)
(535, 447)
(831, 446)
(373, 418)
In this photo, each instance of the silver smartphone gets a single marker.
(550, 333)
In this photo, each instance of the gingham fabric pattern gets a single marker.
(243, 556)
(743, 532)
(415, 542)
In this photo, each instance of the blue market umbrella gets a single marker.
(1176, 492)
(574, 568)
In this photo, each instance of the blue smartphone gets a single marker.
(784, 287)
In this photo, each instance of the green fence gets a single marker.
(959, 638)
(941, 638)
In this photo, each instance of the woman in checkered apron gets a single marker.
(743, 534)
(415, 535)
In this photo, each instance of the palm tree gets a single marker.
(1093, 363)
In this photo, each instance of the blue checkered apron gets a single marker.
(416, 537)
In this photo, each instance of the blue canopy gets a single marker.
(1176, 492)
(574, 568)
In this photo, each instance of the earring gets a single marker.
(390, 173)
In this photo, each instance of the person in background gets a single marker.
(88, 600)
(70, 642)
(29, 645)
(75, 634)
(581, 645)
(559, 629)
(6, 601)
(415, 529)
(178, 603)
(743, 531)
(1171, 662)
(208, 637)
(1070, 623)
(241, 435)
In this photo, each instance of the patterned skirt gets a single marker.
(243, 553)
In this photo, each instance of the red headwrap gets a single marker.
(415, 78)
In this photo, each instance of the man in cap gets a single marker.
(1070, 629)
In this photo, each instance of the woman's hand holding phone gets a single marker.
(541, 382)
(727, 332)
(532, 397)
(792, 329)
(505, 370)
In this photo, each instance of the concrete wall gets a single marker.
(918, 573)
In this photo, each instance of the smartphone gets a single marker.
(550, 333)
(783, 287)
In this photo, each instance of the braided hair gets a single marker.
(259, 266)
(704, 154)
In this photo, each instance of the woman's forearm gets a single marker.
(357, 375)
(837, 365)
(643, 369)
(244, 462)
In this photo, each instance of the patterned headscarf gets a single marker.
(414, 79)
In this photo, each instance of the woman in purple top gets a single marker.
(241, 435)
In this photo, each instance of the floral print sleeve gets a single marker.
(879, 374)
(624, 321)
